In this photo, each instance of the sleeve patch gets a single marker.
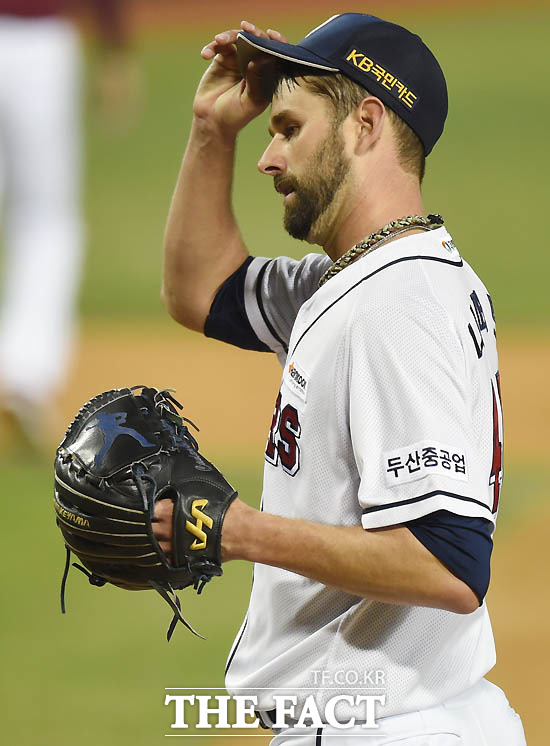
(421, 459)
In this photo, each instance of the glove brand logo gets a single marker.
(111, 425)
(196, 529)
(200, 463)
(67, 515)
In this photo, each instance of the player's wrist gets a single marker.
(207, 133)
(238, 531)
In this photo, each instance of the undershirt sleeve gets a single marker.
(462, 543)
(228, 320)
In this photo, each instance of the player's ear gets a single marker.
(369, 118)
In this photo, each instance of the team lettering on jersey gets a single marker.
(477, 334)
(282, 443)
(495, 479)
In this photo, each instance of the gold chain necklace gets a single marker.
(379, 237)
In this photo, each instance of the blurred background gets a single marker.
(123, 76)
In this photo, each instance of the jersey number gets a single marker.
(496, 467)
(282, 443)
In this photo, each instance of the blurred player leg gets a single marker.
(41, 130)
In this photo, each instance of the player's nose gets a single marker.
(272, 161)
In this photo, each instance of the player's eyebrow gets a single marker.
(278, 120)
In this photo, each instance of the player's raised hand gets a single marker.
(224, 98)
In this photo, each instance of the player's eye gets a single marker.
(290, 131)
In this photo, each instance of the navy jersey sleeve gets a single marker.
(462, 543)
(228, 320)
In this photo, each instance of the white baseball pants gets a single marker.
(481, 716)
(40, 133)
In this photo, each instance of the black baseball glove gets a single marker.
(126, 449)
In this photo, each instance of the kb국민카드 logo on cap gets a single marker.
(390, 82)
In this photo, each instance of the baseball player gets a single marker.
(383, 462)
(40, 131)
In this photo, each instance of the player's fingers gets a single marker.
(222, 44)
(253, 29)
(276, 35)
(257, 31)
(166, 547)
(162, 519)
(163, 508)
(211, 50)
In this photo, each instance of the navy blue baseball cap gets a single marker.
(388, 60)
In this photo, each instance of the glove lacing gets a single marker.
(165, 591)
(93, 578)
(178, 438)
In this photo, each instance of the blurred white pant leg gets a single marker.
(40, 89)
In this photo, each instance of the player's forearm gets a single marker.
(203, 244)
(388, 565)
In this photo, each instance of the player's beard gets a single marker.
(314, 192)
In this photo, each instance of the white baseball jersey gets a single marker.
(389, 410)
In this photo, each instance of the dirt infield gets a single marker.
(222, 386)
(230, 393)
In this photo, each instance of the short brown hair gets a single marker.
(345, 95)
